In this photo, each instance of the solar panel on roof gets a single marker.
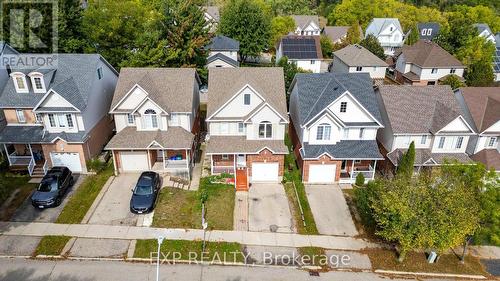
(299, 48)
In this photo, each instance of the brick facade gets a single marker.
(218, 161)
(323, 160)
(62, 146)
(263, 157)
(11, 116)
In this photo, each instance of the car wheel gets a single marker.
(58, 201)
(71, 181)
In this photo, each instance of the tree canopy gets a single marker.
(407, 162)
(280, 26)
(372, 44)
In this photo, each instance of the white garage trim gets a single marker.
(134, 161)
(322, 173)
(265, 172)
(67, 159)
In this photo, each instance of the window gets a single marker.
(460, 140)
(441, 142)
(359, 68)
(423, 139)
(434, 70)
(69, 119)
(452, 70)
(38, 83)
(246, 99)
(361, 132)
(429, 31)
(346, 133)
(174, 119)
(20, 116)
(392, 28)
(431, 83)
(99, 73)
(130, 118)
(424, 31)
(39, 118)
(225, 157)
(150, 119)
(265, 130)
(357, 161)
(492, 141)
(241, 127)
(343, 106)
(20, 83)
(323, 132)
(374, 68)
(52, 120)
(313, 61)
(61, 119)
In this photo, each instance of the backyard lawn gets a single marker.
(177, 208)
(8, 185)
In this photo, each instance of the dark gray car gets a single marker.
(145, 193)
(52, 188)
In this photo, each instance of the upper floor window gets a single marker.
(492, 141)
(359, 68)
(20, 82)
(460, 140)
(392, 28)
(434, 71)
(241, 127)
(246, 99)
(39, 118)
(265, 130)
(61, 120)
(150, 119)
(323, 132)
(429, 31)
(20, 116)
(343, 106)
(99, 73)
(130, 118)
(424, 31)
(453, 70)
(423, 139)
(441, 142)
(174, 119)
(361, 133)
(313, 61)
(346, 133)
(37, 82)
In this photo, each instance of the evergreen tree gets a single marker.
(371, 44)
(407, 162)
(70, 33)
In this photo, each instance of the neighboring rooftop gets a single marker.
(428, 54)
(356, 55)
(171, 88)
(232, 144)
(483, 104)
(424, 157)
(338, 33)
(212, 11)
(490, 157)
(303, 21)
(223, 43)
(482, 27)
(222, 57)
(130, 138)
(428, 30)
(301, 47)
(377, 25)
(418, 110)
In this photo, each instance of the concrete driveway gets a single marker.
(114, 207)
(268, 206)
(27, 213)
(330, 210)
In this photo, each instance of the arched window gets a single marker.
(150, 119)
(265, 130)
(324, 131)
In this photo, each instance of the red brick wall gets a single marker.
(322, 160)
(265, 156)
(99, 136)
(217, 160)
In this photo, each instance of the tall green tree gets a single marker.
(280, 26)
(354, 33)
(289, 69)
(70, 33)
(371, 44)
(479, 74)
(407, 162)
(453, 81)
(413, 36)
(245, 21)
(292, 7)
(326, 46)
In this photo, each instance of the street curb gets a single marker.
(67, 248)
(97, 200)
(131, 249)
(449, 275)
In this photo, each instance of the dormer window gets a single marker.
(20, 82)
(343, 106)
(99, 73)
(323, 132)
(37, 82)
(265, 130)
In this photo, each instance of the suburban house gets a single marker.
(357, 59)
(425, 63)
(246, 120)
(5, 50)
(222, 52)
(212, 17)
(484, 31)
(428, 30)
(389, 33)
(429, 116)
(305, 51)
(157, 121)
(338, 33)
(335, 119)
(57, 116)
(482, 107)
(306, 25)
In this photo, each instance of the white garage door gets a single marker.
(322, 173)
(67, 159)
(134, 160)
(265, 172)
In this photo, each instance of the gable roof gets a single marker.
(336, 33)
(433, 26)
(489, 157)
(213, 11)
(223, 43)
(222, 57)
(72, 78)
(316, 91)
(224, 83)
(356, 55)
(7, 49)
(301, 47)
(426, 53)
(419, 110)
(483, 104)
(377, 25)
(303, 21)
(170, 88)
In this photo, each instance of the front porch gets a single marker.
(28, 157)
(350, 169)
(174, 162)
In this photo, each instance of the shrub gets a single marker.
(95, 165)
(362, 198)
(360, 179)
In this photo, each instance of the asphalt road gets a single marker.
(37, 270)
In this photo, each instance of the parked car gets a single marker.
(52, 188)
(145, 193)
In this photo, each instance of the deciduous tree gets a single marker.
(280, 26)
(371, 44)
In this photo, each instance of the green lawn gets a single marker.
(177, 208)
(51, 245)
(82, 199)
(10, 183)
(189, 250)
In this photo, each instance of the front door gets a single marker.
(241, 179)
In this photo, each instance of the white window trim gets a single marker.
(324, 135)
(249, 99)
(20, 116)
(346, 133)
(61, 121)
(423, 139)
(434, 72)
(39, 118)
(33, 84)
(225, 157)
(361, 133)
(492, 142)
(267, 126)
(16, 75)
(241, 127)
(441, 144)
(174, 119)
(460, 140)
(129, 115)
(345, 108)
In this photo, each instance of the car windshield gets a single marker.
(143, 190)
(48, 185)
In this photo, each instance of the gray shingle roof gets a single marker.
(318, 90)
(335, 33)
(377, 25)
(482, 27)
(239, 144)
(224, 83)
(36, 134)
(72, 79)
(424, 157)
(303, 21)
(419, 110)
(220, 56)
(433, 26)
(345, 149)
(223, 43)
(356, 55)
(130, 138)
(171, 88)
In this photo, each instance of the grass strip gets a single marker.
(51, 245)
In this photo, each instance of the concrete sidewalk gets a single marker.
(136, 232)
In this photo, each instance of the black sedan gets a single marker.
(52, 188)
(145, 193)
